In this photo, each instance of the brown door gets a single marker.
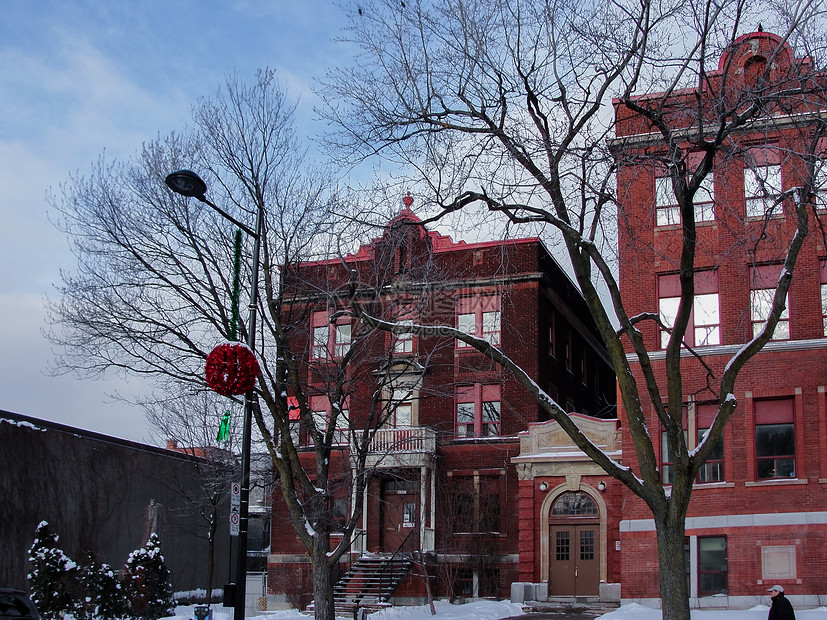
(575, 562)
(400, 516)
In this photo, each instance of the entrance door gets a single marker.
(575, 562)
(399, 514)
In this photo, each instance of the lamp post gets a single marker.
(187, 183)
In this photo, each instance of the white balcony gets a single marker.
(406, 446)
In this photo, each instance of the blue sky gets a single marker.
(78, 79)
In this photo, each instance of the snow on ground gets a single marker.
(493, 610)
(479, 610)
(759, 612)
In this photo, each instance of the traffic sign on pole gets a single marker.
(235, 508)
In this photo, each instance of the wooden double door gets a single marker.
(575, 559)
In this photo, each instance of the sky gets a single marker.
(80, 79)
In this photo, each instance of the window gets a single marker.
(667, 462)
(294, 415)
(762, 185)
(704, 321)
(820, 184)
(479, 316)
(409, 514)
(574, 504)
(562, 546)
(401, 407)
(763, 282)
(322, 412)
(475, 583)
(552, 333)
(667, 212)
(478, 411)
(339, 507)
(476, 503)
(403, 343)
(713, 469)
(823, 271)
(666, 206)
(712, 565)
(329, 339)
(775, 438)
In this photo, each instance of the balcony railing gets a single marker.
(404, 439)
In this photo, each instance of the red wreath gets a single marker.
(231, 369)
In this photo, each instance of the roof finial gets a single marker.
(760, 27)
(408, 201)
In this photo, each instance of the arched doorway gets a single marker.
(574, 545)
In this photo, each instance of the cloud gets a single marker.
(27, 388)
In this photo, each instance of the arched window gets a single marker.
(574, 504)
(755, 71)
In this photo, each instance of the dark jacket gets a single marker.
(781, 608)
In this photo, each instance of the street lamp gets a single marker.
(187, 183)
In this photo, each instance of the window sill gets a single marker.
(492, 439)
(671, 227)
(713, 485)
(761, 218)
(775, 482)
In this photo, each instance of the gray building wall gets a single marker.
(105, 495)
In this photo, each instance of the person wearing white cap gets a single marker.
(781, 608)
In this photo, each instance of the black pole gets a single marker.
(188, 183)
(249, 398)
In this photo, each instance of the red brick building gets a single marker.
(449, 475)
(758, 516)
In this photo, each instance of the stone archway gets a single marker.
(582, 530)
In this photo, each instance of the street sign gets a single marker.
(235, 508)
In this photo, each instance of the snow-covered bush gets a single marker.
(52, 574)
(147, 582)
(98, 592)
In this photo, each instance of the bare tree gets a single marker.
(152, 294)
(189, 425)
(506, 106)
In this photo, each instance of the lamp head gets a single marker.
(186, 183)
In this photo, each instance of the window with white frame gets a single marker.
(775, 438)
(401, 406)
(478, 411)
(404, 343)
(479, 315)
(762, 186)
(668, 213)
(763, 282)
(704, 326)
(820, 183)
(324, 413)
(329, 339)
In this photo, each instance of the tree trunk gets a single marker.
(322, 580)
(674, 589)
